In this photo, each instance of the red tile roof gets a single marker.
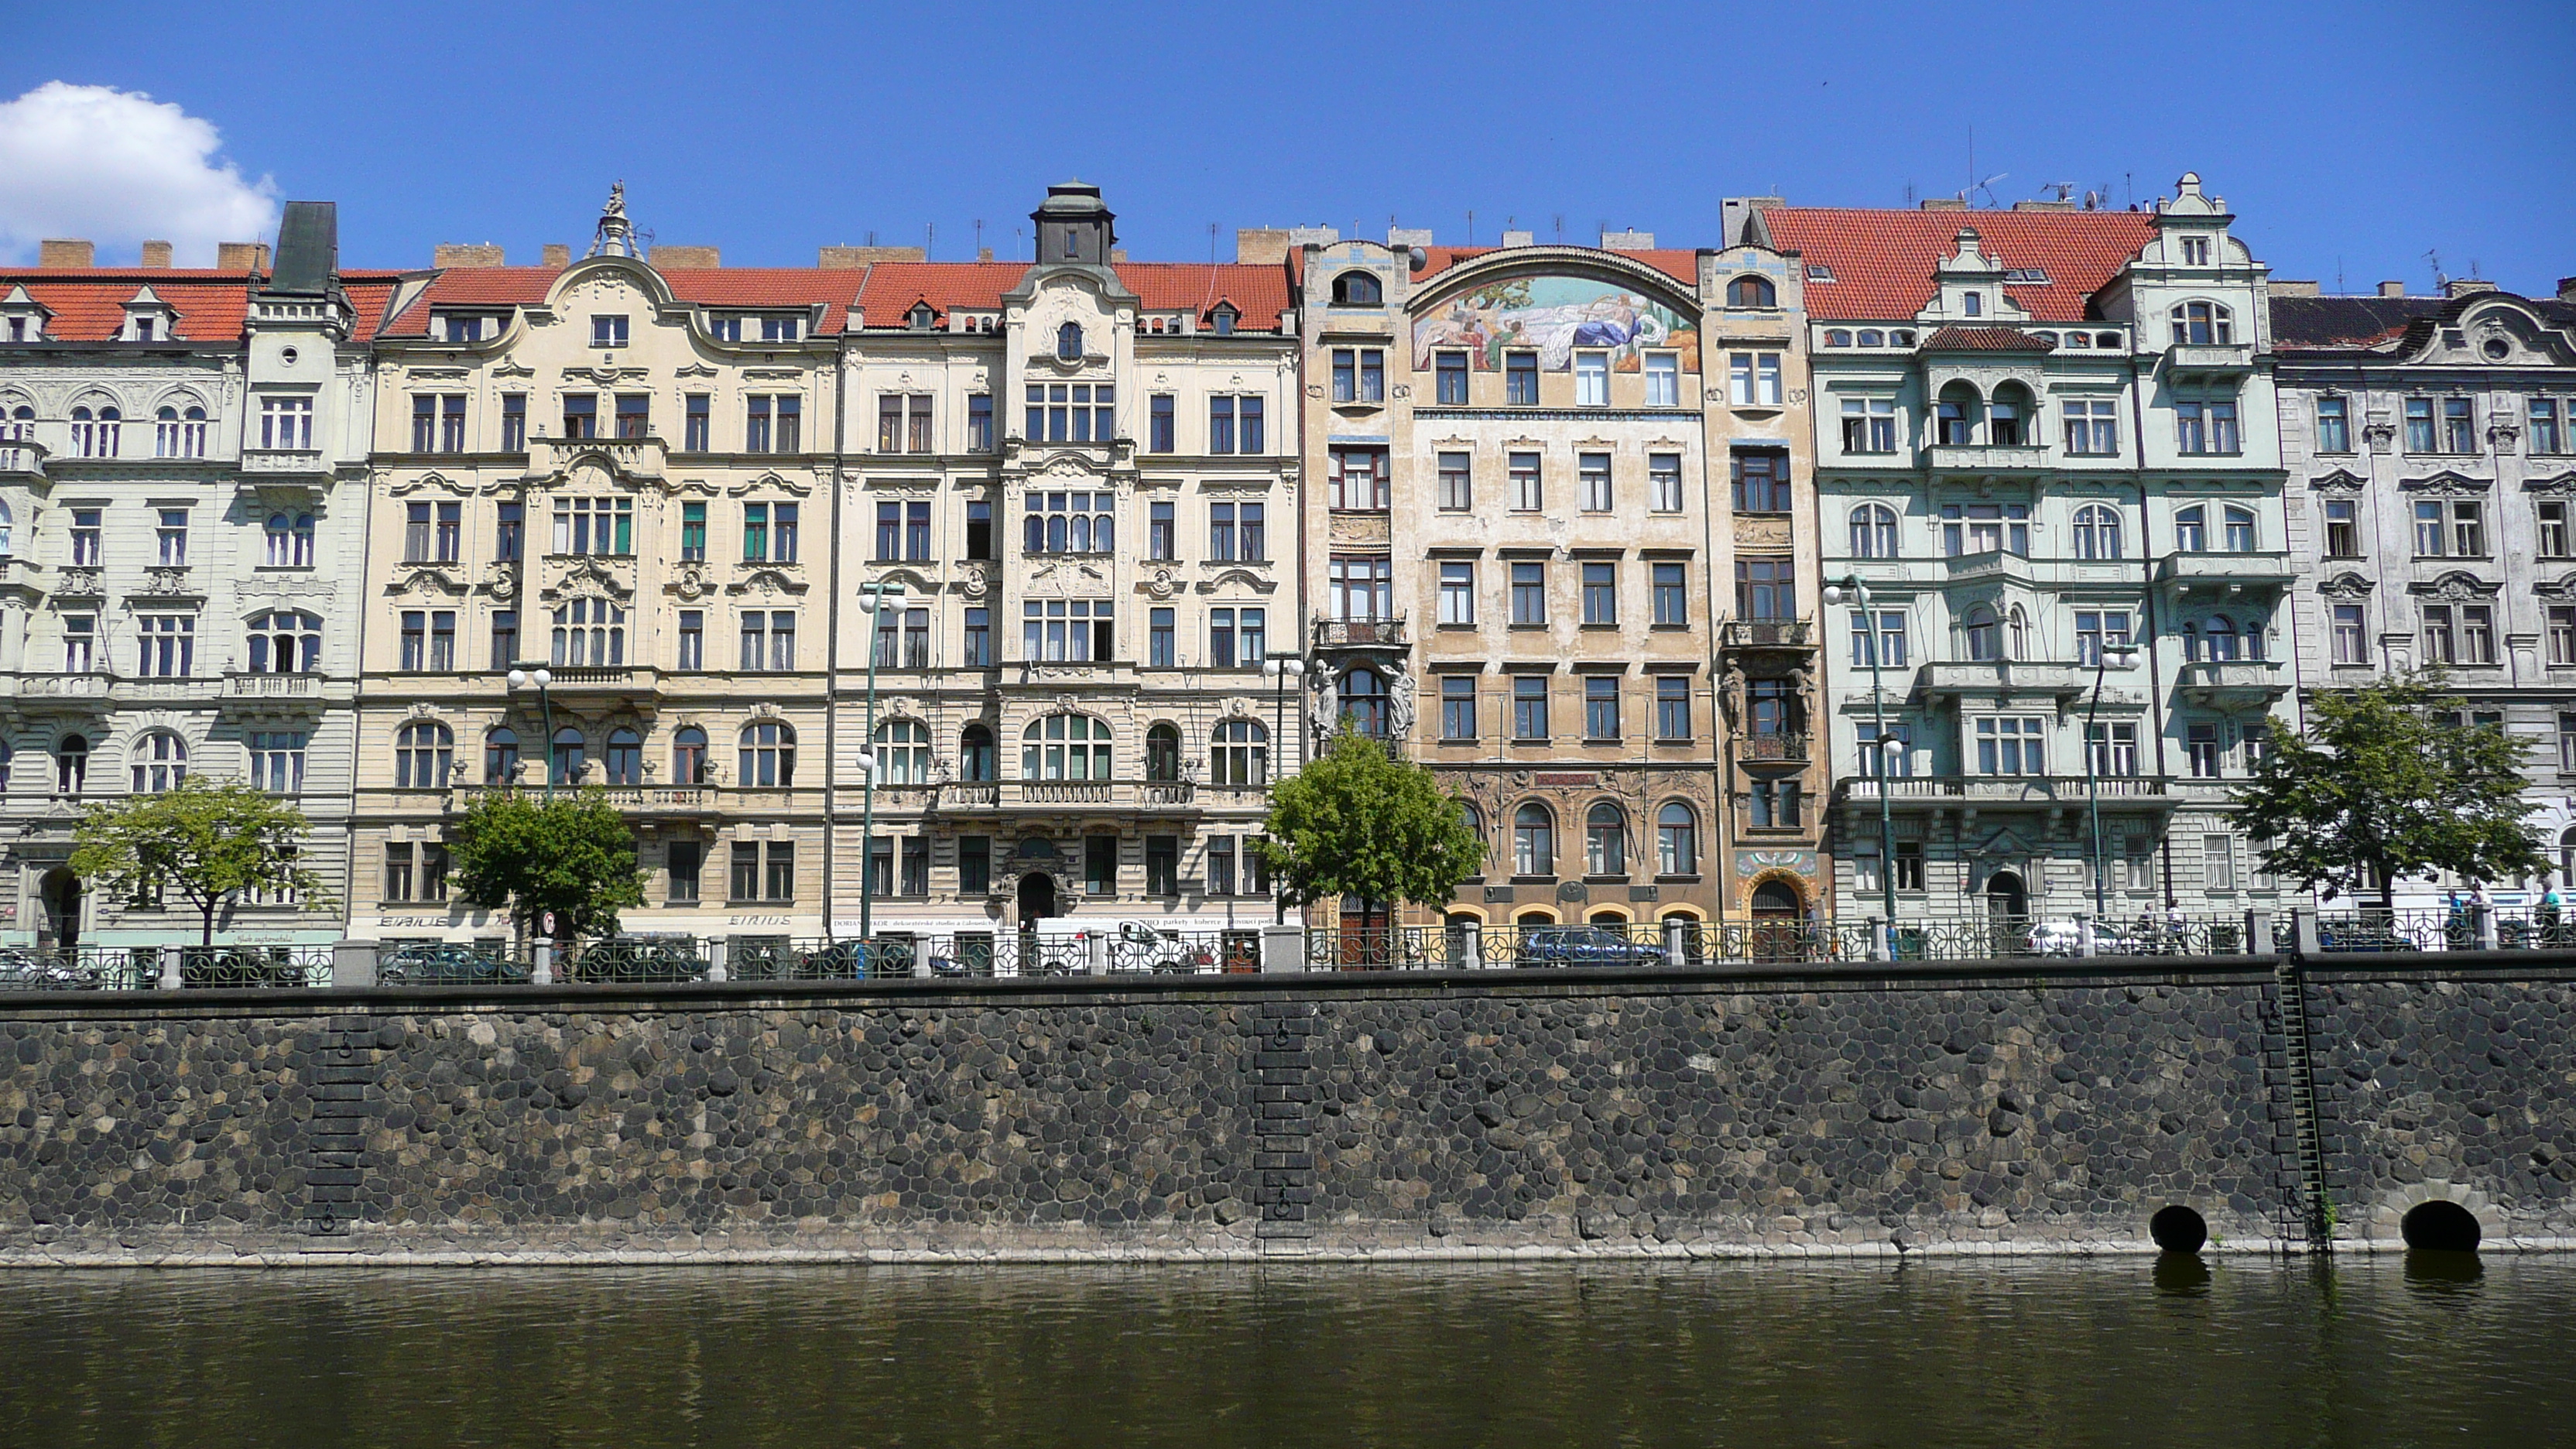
(891, 289)
(1259, 293)
(208, 305)
(703, 286)
(1984, 339)
(1882, 261)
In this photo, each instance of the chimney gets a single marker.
(1627, 241)
(1401, 237)
(2283, 287)
(1117, 254)
(983, 254)
(2043, 204)
(845, 259)
(558, 254)
(1942, 203)
(57, 252)
(241, 256)
(1260, 245)
(2392, 289)
(156, 255)
(467, 254)
(2466, 286)
(1520, 238)
(686, 258)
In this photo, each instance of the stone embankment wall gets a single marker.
(1976, 1109)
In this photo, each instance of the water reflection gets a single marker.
(2239, 1351)
(2431, 1268)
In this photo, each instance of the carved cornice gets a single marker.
(2448, 484)
(2341, 480)
(2455, 586)
(2346, 586)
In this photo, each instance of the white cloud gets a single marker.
(116, 167)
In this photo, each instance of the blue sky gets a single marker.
(2351, 136)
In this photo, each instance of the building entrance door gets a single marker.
(61, 892)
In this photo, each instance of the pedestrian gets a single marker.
(2547, 914)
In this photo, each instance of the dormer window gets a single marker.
(922, 317)
(781, 329)
(2026, 276)
(1072, 244)
(1751, 292)
(1222, 319)
(2195, 251)
(1972, 304)
(144, 328)
(725, 329)
(1357, 289)
(2202, 324)
(464, 329)
(19, 331)
(1068, 338)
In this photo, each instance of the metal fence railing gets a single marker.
(86, 968)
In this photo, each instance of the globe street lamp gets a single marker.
(878, 593)
(521, 676)
(2106, 657)
(1852, 588)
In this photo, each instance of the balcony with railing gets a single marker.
(1766, 634)
(22, 460)
(2224, 573)
(2233, 684)
(1387, 633)
(2004, 790)
(640, 458)
(1953, 677)
(1785, 748)
(2210, 359)
(285, 463)
(1989, 459)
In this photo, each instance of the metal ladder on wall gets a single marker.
(2316, 1210)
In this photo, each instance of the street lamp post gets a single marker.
(877, 594)
(521, 676)
(2106, 657)
(1858, 593)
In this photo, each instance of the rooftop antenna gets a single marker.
(2130, 180)
(872, 236)
(1211, 244)
(2339, 276)
(1987, 186)
(1471, 226)
(979, 236)
(2064, 189)
(1909, 196)
(1560, 228)
(929, 238)
(2434, 260)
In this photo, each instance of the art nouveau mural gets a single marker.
(1555, 316)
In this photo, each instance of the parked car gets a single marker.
(2066, 938)
(2348, 933)
(1144, 946)
(446, 963)
(25, 970)
(1584, 946)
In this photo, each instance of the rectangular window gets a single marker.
(1909, 865)
(424, 422)
(1529, 708)
(915, 877)
(1766, 588)
(695, 422)
(1672, 595)
(2005, 528)
(974, 864)
(1100, 865)
(416, 532)
(276, 761)
(2092, 429)
(693, 639)
(398, 879)
(2011, 746)
(1450, 379)
(2440, 643)
(745, 882)
(581, 415)
(1220, 425)
(979, 529)
(167, 645)
(1254, 537)
(1159, 433)
(1361, 586)
(1601, 707)
(781, 329)
(1359, 480)
(916, 532)
(171, 537)
(2562, 634)
(607, 331)
(2459, 426)
(1520, 379)
(1869, 425)
(1220, 865)
(683, 862)
(979, 422)
(2200, 743)
(1774, 805)
(1753, 379)
(1600, 593)
(1162, 865)
(1159, 644)
(86, 535)
(448, 539)
(1761, 482)
(1664, 482)
(2468, 528)
(769, 640)
(1672, 707)
(2351, 640)
(1528, 494)
(2419, 425)
(634, 415)
(514, 422)
(1458, 708)
(595, 526)
(2545, 433)
(1592, 379)
(1663, 380)
(889, 532)
(778, 875)
(2218, 862)
(2111, 749)
(693, 530)
(1160, 529)
(1888, 640)
(442, 640)
(1457, 482)
(2554, 533)
(284, 422)
(80, 643)
(1592, 479)
(1248, 437)
(1220, 638)
(505, 638)
(979, 639)
(2097, 630)
(1529, 593)
(2343, 528)
(1072, 631)
(2477, 634)
(2334, 426)
(2429, 538)
(1457, 593)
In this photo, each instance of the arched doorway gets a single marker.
(2006, 896)
(1037, 898)
(1778, 919)
(61, 896)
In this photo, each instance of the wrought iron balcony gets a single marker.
(1782, 747)
(1989, 458)
(2004, 790)
(2233, 684)
(1387, 633)
(22, 460)
(1767, 634)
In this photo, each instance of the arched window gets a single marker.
(625, 757)
(2202, 324)
(2097, 532)
(20, 425)
(290, 540)
(2191, 530)
(1474, 818)
(1872, 337)
(71, 764)
(1677, 839)
(1954, 418)
(590, 631)
(903, 753)
(1533, 841)
(975, 753)
(2240, 530)
(160, 761)
(1065, 747)
(1983, 634)
(2567, 856)
(1240, 754)
(6, 521)
(1163, 752)
(1357, 289)
(1837, 337)
(1901, 337)
(1068, 342)
(2222, 638)
(1362, 696)
(286, 641)
(424, 751)
(565, 761)
(95, 430)
(1873, 531)
(768, 757)
(689, 756)
(501, 756)
(2009, 419)
(1751, 292)
(2018, 633)
(1605, 840)
(179, 432)
(2254, 629)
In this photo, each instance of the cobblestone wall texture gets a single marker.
(1672, 1114)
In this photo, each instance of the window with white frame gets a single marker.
(2011, 745)
(276, 760)
(1458, 592)
(166, 645)
(289, 541)
(160, 762)
(1663, 379)
(1753, 379)
(1869, 425)
(179, 432)
(604, 526)
(2092, 427)
(1359, 480)
(1075, 631)
(286, 422)
(589, 632)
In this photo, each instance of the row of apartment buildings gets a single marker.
(1954, 561)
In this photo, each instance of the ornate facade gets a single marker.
(2432, 511)
(182, 485)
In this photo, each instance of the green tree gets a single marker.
(572, 855)
(2382, 784)
(210, 843)
(1358, 821)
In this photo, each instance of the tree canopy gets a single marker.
(1358, 821)
(210, 843)
(2386, 782)
(573, 855)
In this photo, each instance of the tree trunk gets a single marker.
(206, 936)
(2387, 887)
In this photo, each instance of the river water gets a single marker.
(1932, 1353)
